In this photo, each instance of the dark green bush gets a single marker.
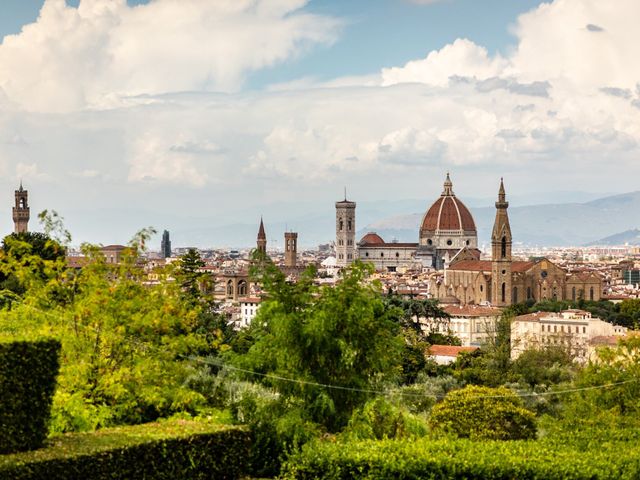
(28, 371)
(484, 413)
(462, 459)
(170, 450)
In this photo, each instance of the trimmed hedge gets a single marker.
(28, 371)
(461, 459)
(169, 450)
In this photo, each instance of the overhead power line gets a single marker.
(392, 392)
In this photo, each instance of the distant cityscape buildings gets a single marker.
(445, 264)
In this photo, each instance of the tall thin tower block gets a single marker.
(290, 249)
(21, 211)
(165, 245)
(345, 232)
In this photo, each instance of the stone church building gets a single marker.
(503, 281)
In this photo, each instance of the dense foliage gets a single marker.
(167, 451)
(28, 371)
(343, 336)
(319, 370)
(124, 340)
(456, 459)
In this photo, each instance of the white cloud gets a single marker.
(76, 57)
(462, 58)
(563, 106)
(155, 159)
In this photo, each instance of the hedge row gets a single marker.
(28, 371)
(167, 450)
(458, 459)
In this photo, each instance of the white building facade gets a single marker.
(571, 329)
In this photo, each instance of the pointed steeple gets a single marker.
(502, 293)
(502, 197)
(261, 244)
(448, 187)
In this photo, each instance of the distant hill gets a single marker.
(629, 237)
(551, 225)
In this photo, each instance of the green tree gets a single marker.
(483, 413)
(612, 381)
(545, 366)
(343, 336)
(491, 364)
(189, 274)
(26, 257)
(125, 343)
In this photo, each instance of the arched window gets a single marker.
(242, 288)
(591, 294)
(22, 203)
(504, 292)
(573, 294)
(504, 247)
(230, 288)
(341, 225)
(515, 294)
(397, 254)
(349, 225)
(528, 293)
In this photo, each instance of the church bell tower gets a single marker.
(21, 210)
(345, 232)
(261, 242)
(501, 241)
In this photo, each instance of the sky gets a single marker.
(167, 112)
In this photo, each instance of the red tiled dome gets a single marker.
(448, 213)
(371, 238)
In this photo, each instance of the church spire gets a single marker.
(501, 242)
(261, 243)
(448, 187)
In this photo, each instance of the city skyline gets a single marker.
(94, 119)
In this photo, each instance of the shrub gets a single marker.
(379, 419)
(168, 450)
(484, 413)
(278, 425)
(28, 371)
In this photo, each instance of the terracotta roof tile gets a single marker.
(471, 311)
(449, 350)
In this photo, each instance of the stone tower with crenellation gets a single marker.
(501, 260)
(345, 232)
(21, 211)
